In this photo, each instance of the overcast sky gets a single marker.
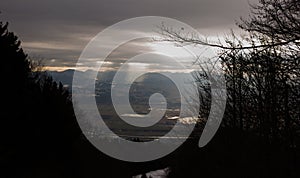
(58, 30)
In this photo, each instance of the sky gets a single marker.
(57, 31)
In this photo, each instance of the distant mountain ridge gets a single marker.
(66, 77)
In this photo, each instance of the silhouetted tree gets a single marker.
(37, 123)
(262, 74)
(261, 69)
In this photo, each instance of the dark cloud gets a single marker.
(60, 29)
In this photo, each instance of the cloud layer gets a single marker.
(60, 29)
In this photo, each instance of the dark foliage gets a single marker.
(37, 122)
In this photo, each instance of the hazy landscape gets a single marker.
(140, 92)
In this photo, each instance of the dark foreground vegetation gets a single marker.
(39, 135)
